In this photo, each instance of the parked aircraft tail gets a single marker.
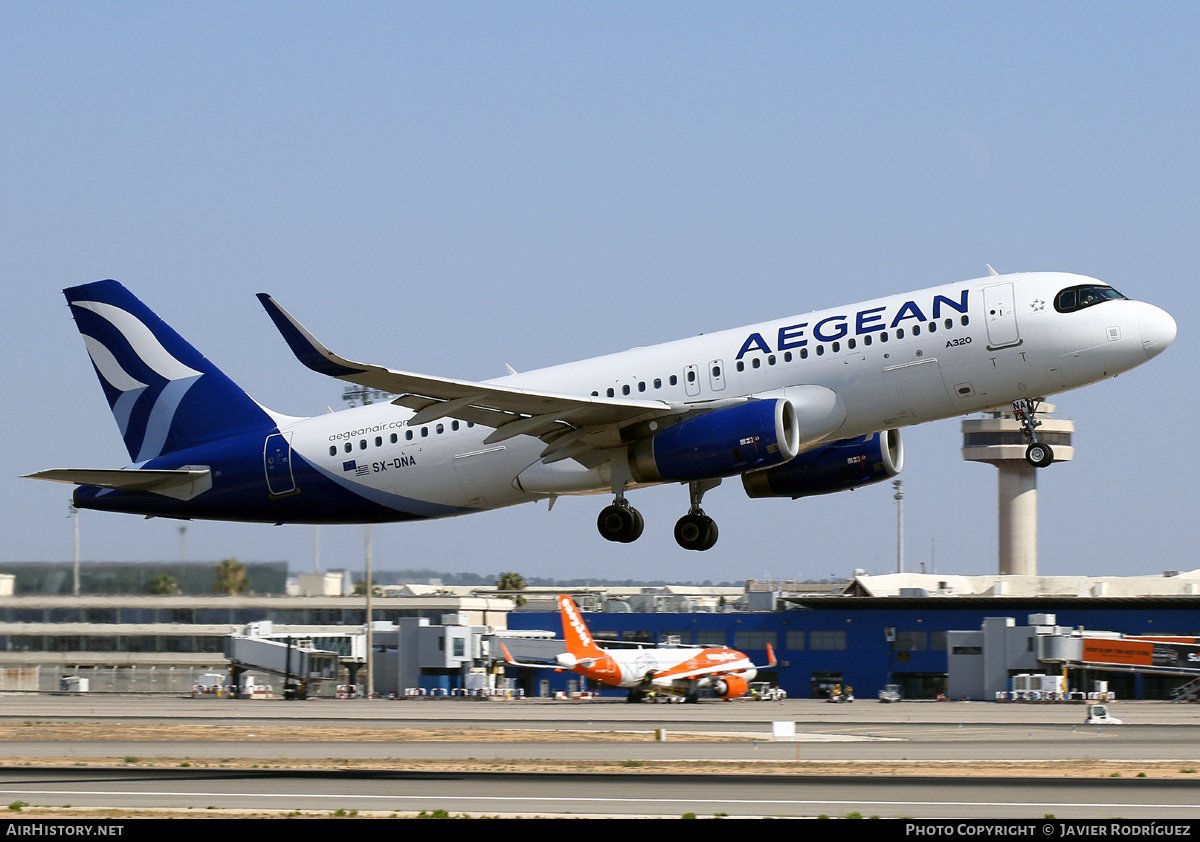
(164, 394)
(580, 645)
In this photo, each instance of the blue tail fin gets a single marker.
(164, 394)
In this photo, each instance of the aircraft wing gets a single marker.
(511, 411)
(509, 659)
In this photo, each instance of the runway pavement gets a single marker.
(865, 732)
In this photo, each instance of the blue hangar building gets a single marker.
(869, 642)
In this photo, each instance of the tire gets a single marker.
(622, 524)
(695, 532)
(1039, 455)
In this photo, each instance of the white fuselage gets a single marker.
(893, 362)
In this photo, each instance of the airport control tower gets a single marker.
(997, 439)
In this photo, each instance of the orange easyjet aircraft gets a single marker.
(678, 671)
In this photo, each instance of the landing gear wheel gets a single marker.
(623, 524)
(696, 532)
(1039, 455)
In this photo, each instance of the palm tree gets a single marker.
(231, 577)
(512, 582)
(164, 584)
(360, 588)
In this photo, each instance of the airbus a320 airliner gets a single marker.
(799, 406)
(682, 672)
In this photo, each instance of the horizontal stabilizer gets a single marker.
(182, 484)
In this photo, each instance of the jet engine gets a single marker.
(730, 686)
(721, 443)
(837, 466)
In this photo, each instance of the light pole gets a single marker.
(370, 632)
(75, 565)
(899, 498)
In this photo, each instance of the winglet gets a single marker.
(304, 345)
(771, 658)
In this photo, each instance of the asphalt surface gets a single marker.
(864, 731)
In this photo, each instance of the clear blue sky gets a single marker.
(447, 188)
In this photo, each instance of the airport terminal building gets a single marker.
(921, 632)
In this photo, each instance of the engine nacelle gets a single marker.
(731, 686)
(837, 466)
(722, 443)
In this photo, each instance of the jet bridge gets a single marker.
(302, 666)
(982, 663)
(1160, 655)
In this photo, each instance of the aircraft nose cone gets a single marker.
(1158, 330)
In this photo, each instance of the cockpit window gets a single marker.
(1077, 298)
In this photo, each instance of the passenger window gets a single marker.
(657, 382)
(349, 447)
(867, 339)
(362, 445)
(837, 346)
(741, 366)
(641, 385)
(379, 441)
(674, 380)
(454, 425)
(408, 435)
(787, 356)
(394, 438)
(333, 450)
(611, 393)
(820, 350)
(625, 389)
(756, 362)
(424, 432)
(899, 333)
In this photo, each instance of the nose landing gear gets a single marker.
(1037, 454)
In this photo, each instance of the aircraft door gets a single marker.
(716, 375)
(277, 464)
(691, 380)
(1001, 316)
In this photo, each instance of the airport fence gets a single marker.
(129, 679)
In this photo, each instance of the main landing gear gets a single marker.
(1025, 412)
(620, 522)
(696, 530)
(623, 524)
